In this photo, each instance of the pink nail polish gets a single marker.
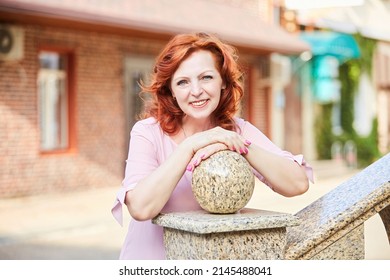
(248, 142)
(189, 167)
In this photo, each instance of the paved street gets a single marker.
(79, 225)
(74, 225)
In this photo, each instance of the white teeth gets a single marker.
(198, 103)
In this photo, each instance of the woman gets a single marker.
(196, 88)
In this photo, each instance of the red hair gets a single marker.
(165, 109)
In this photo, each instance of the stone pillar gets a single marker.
(249, 234)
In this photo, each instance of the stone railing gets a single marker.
(332, 227)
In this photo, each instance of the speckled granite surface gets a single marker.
(262, 244)
(385, 215)
(339, 212)
(348, 247)
(246, 219)
(247, 234)
(223, 183)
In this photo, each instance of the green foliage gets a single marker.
(323, 132)
(349, 75)
(367, 147)
(367, 47)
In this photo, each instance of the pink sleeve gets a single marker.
(254, 135)
(140, 162)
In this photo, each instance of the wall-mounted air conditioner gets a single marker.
(11, 42)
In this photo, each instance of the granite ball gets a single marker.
(223, 183)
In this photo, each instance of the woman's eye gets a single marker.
(207, 77)
(181, 82)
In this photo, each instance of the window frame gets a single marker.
(71, 100)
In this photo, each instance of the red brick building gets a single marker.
(69, 72)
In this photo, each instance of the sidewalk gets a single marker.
(75, 225)
(79, 225)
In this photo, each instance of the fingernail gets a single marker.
(248, 142)
(246, 150)
(203, 156)
(189, 167)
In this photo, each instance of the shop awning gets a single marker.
(235, 25)
(342, 46)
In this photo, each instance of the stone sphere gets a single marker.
(223, 183)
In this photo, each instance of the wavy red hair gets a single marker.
(165, 109)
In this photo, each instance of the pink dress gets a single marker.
(149, 147)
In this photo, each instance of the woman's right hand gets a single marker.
(204, 153)
(208, 142)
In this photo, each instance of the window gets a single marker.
(53, 98)
(137, 69)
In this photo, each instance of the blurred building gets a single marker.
(382, 84)
(371, 19)
(330, 32)
(69, 73)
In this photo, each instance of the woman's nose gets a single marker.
(196, 89)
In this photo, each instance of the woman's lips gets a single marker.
(199, 103)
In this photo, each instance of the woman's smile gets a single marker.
(199, 103)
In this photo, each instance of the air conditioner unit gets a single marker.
(11, 42)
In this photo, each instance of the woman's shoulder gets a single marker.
(240, 122)
(246, 126)
(148, 122)
(147, 125)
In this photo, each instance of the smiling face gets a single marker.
(197, 85)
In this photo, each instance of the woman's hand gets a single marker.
(214, 140)
(204, 153)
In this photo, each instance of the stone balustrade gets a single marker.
(332, 227)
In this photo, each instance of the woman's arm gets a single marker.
(283, 175)
(151, 193)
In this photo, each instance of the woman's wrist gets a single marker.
(187, 148)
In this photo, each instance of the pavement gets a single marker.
(78, 225)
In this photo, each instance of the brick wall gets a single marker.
(101, 145)
(260, 101)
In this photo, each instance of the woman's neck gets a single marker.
(192, 126)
